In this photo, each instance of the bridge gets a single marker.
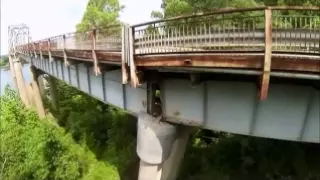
(251, 71)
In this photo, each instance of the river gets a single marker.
(5, 76)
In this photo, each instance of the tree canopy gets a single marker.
(34, 149)
(4, 60)
(173, 8)
(100, 13)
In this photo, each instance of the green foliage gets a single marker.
(106, 131)
(100, 13)
(177, 7)
(156, 14)
(33, 149)
(4, 60)
(173, 8)
(226, 156)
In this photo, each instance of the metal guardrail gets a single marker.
(232, 30)
(108, 38)
(221, 30)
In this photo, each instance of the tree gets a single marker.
(4, 60)
(100, 13)
(179, 7)
(34, 149)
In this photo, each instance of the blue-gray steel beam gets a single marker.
(287, 113)
(106, 87)
(290, 112)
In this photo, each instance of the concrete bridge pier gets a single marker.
(15, 67)
(160, 147)
(53, 92)
(35, 91)
(41, 84)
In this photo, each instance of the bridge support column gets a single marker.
(171, 167)
(30, 95)
(161, 148)
(40, 81)
(21, 86)
(53, 92)
(13, 74)
(36, 92)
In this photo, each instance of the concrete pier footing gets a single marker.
(160, 147)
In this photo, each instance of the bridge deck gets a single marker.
(306, 64)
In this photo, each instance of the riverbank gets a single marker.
(5, 67)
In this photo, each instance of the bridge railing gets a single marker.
(107, 39)
(293, 29)
(225, 31)
(296, 33)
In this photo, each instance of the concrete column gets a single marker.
(53, 92)
(160, 147)
(36, 92)
(149, 171)
(171, 166)
(13, 74)
(20, 82)
(30, 95)
(40, 81)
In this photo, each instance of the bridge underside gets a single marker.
(291, 112)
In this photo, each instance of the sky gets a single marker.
(47, 18)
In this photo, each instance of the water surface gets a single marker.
(6, 78)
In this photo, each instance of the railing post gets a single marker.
(96, 67)
(265, 79)
(40, 49)
(28, 49)
(49, 50)
(124, 52)
(65, 58)
(25, 49)
(34, 50)
(133, 70)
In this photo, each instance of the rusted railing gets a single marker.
(108, 39)
(231, 30)
(298, 33)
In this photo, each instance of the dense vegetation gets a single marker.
(33, 148)
(4, 60)
(212, 155)
(173, 8)
(106, 131)
(99, 14)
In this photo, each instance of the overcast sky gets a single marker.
(47, 18)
